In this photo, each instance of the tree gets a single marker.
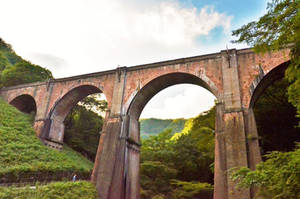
(83, 125)
(179, 166)
(278, 29)
(3, 62)
(24, 72)
(277, 177)
(194, 155)
(14, 70)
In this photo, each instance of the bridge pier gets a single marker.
(51, 131)
(231, 144)
(116, 169)
(108, 173)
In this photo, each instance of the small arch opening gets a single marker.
(25, 104)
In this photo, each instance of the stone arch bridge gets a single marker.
(235, 77)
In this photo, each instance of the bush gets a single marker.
(58, 190)
(278, 177)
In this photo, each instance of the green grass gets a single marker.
(23, 155)
(58, 190)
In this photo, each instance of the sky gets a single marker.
(74, 37)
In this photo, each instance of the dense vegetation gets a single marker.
(153, 126)
(84, 124)
(180, 165)
(279, 176)
(14, 70)
(58, 190)
(276, 30)
(23, 157)
(275, 132)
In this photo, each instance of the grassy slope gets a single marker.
(154, 126)
(58, 190)
(22, 153)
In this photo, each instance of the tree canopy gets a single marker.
(180, 165)
(24, 72)
(84, 124)
(14, 70)
(279, 28)
(277, 177)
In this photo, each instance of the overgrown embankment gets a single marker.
(23, 157)
(58, 190)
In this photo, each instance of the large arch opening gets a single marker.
(26, 104)
(77, 119)
(178, 153)
(275, 117)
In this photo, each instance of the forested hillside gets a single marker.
(180, 166)
(14, 70)
(153, 126)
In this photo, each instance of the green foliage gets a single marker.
(156, 177)
(181, 158)
(293, 75)
(14, 70)
(3, 62)
(278, 29)
(276, 133)
(58, 190)
(93, 102)
(24, 72)
(194, 155)
(8, 53)
(278, 177)
(158, 148)
(23, 154)
(191, 190)
(83, 126)
(154, 126)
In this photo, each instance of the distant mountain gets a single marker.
(153, 126)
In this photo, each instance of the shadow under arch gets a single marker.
(24, 103)
(265, 81)
(54, 128)
(144, 95)
(258, 87)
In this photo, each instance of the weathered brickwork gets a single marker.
(250, 65)
(235, 77)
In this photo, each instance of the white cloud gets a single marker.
(92, 35)
(72, 37)
(188, 101)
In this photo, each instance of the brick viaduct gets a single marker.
(235, 77)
